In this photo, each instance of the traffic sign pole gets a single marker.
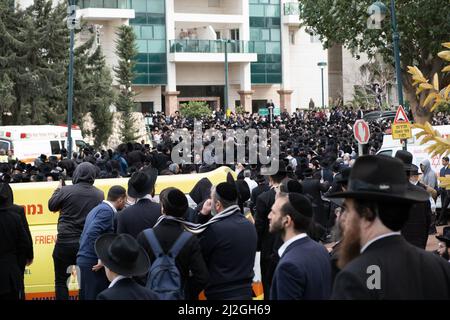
(401, 128)
(361, 132)
(360, 150)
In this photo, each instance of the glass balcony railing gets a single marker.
(111, 4)
(212, 46)
(292, 9)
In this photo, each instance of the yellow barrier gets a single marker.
(39, 277)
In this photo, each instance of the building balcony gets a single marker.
(211, 51)
(291, 13)
(105, 9)
(210, 18)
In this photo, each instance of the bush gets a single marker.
(195, 109)
(240, 110)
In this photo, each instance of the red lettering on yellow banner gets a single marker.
(33, 209)
(47, 239)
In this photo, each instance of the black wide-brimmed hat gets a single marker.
(407, 158)
(343, 176)
(6, 196)
(122, 254)
(445, 237)
(142, 183)
(380, 178)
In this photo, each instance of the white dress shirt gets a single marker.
(115, 280)
(390, 234)
(291, 240)
(111, 205)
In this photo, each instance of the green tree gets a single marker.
(126, 50)
(34, 54)
(102, 98)
(6, 95)
(423, 26)
(195, 109)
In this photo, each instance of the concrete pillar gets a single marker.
(285, 100)
(170, 32)
(246, 99)
(335, 73)
(171, 101)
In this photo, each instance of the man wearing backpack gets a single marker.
(228, 245)
(185, 274)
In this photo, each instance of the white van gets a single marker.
(390, 147)
(29, 142)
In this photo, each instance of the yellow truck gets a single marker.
(39, 276)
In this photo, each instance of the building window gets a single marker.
(213, 3)
(147, 107)
(56, 149)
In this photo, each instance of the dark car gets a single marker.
(379, 116)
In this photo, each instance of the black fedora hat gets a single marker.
(243, 191)
(343, 176)
(445, 237)
(406, 157)
(122, 254)
(380, 178)
(142, 182)
(6, 196)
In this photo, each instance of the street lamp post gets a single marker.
(322, 66)
(71, 23)
(396, 42)
(225, 100)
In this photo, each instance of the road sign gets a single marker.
(401, 128)
(263, 111)
(400, 116)
(361, 131)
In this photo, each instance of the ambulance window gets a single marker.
(4, 145)
(63, 144)
(55, 147)
(386, 153)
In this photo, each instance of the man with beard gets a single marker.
(444, 244)
(376, 261)
(304, 271)
(268, 243)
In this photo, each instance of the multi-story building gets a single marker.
(182, 46)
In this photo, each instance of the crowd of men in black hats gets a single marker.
(321, 137)
(210, 236)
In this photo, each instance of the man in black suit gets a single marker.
(14, 245)
(376, 261)
(415, 230)
(261, 188)
(304, 270)
(313, 187)
(445, 194)
(123, 258)
(268, 244)
(145, 212)
(189, 261)
(228, 246)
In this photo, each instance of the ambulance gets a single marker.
(391, 146)
(29, 142)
